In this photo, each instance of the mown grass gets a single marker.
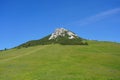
(97, 61)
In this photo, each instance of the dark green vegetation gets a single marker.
(59, 40)
(97, 61)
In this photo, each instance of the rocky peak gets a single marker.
(62, 32)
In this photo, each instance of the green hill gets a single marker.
(97, 61)
(61, 40)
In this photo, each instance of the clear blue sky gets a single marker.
(24, 20)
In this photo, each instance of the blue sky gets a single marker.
(24, 20)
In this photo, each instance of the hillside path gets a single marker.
(18, 56)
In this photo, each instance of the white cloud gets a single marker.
(98, 17)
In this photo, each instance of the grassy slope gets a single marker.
(98, 61)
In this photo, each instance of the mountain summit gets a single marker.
(61, 32)
(59, 36)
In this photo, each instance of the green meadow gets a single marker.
(97, 61)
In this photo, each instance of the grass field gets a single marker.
(97, 61)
